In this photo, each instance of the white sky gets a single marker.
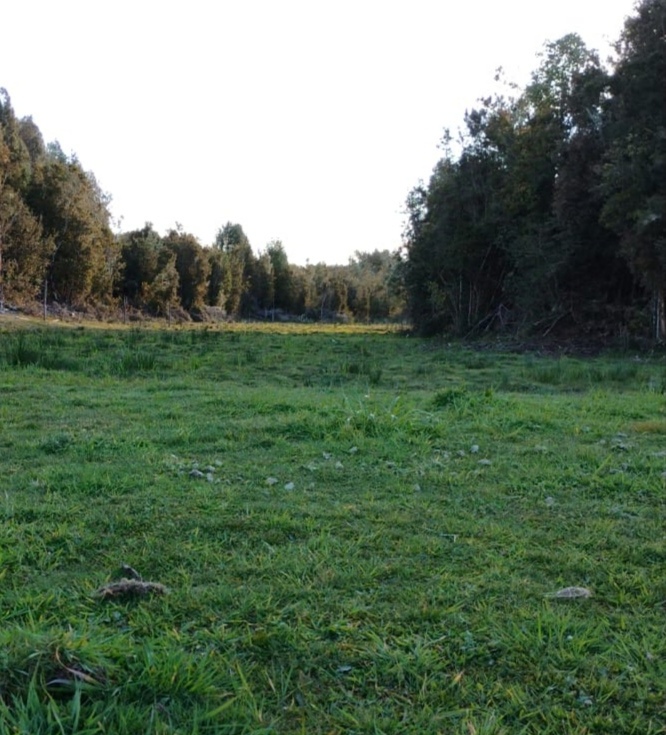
(304, 120)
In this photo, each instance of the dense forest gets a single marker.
(551, 212)
(547, 212)
(57, 248)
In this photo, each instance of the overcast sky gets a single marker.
(306, 121)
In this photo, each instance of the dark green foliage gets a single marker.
(634, 174)
(238, 265)
(279, 287)
(192, 266)
(73, 212)
(376, 290)
(215, 295)
(139, 255)
(54, 220)
(553, 212)
(24, 249)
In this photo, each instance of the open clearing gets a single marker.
(327, 531)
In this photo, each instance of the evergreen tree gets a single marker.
(74, 214)
(192, 266)
(509, 231)
(24, 250)
(139, 258)
(238, 267)
(281, 276)
(634, 175)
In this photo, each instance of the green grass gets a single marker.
(369, 545)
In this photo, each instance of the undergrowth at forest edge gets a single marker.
(355, 533)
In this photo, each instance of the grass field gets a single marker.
(358, 532)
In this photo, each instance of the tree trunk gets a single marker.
(658, 315)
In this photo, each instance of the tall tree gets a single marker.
(374, 286)
(215, 295)
(593, 276)
(455, 264)
(239, 263)
(281, 276)
(543, 130)
(23, 248)
(75, 216)
(33, 140)
(140, 251)
(492, 237)
(634, 176)
(161, 293)
(192, 266)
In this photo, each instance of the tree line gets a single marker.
(160, 273)
(550, 208)
(57, 245)
(548, 211)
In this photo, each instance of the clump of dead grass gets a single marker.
(130, 588)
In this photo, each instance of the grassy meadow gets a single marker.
(336, 530)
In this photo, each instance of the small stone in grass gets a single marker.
(550, 502)
(197, 474)
(485, 462)
(289, 486)
(271, 480)
(572, 593)
(474, 449)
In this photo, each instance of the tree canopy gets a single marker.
(552, 210)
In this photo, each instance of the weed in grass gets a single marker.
(450, 397)
(21, 350)
(134, 361)
(56, 443)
